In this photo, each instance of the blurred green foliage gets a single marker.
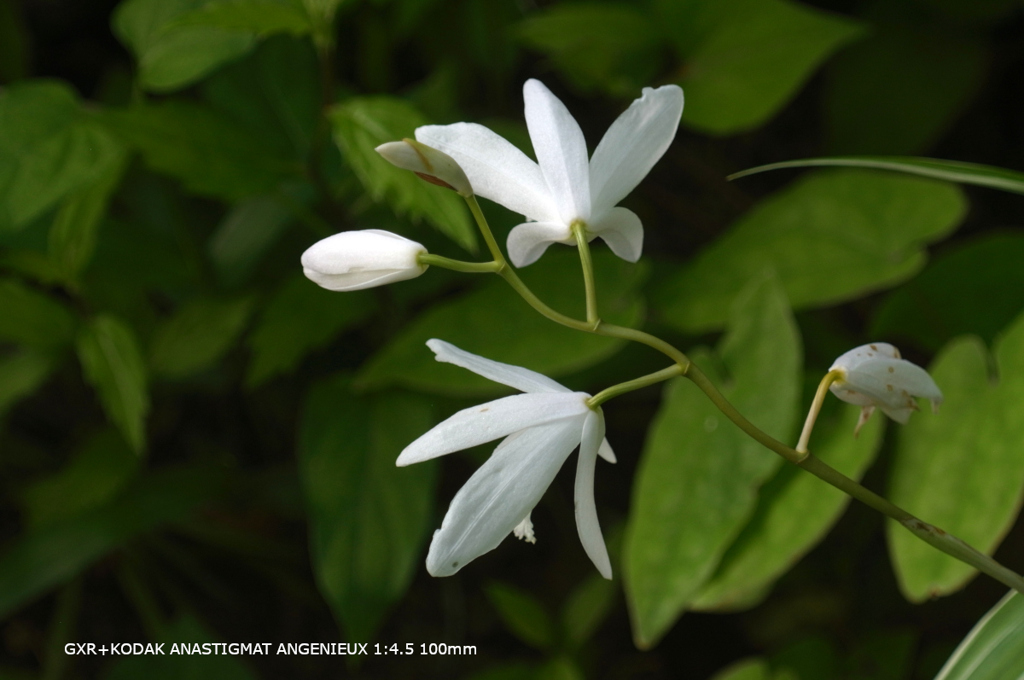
(197, 444)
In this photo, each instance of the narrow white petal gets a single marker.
(633, 144)
(493, 420)
(500, 494)
(527, 242)
(522, 379)
(561, 151)
(586, 511)
(622, 231)
(605, 451)
(495, 167)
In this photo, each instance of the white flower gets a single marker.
(565, 188)
(540, 430)
(353, 260)
(427, 162)
(874, 375)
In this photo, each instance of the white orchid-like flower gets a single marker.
(540, 429)
(353, 260)
(563, 187)
(875, 375)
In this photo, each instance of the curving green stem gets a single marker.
(812, 413)
(579, 230)
(635, 384)
(458, 265)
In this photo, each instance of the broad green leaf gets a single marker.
(697, 482)
(300, 318)
(113, 365)
(177, 42)
(94, 475)
(207, 152)
(559, 668)
(587, 607)
(831, 237)
(794, 512)
(197, 336)
(175, 666)
(899, 90)
(952, 171)
(49, 148)
(21, 374)
(943, 301)
(53, 555)
(966, 456)
(994, 649)
(610, 47)
(495, 322)
(33, 319)
(274, 93)
(72, 237)
(262, 17)
(361, 124)
(753, 56)
(245, 234)
(523, 615)
(368, 519)
(747, 669)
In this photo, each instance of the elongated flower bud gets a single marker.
(432, 165)
(353, 260)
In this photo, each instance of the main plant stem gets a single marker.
(682, 366)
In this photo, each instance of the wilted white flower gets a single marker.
(540, 429)
(875, 375)
(427, 162)
(563, 187)
(353, 260)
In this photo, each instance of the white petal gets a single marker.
(493, 420)
(500, 494)
(586, 511)
(561, 151)
(633, 144)
(622, 231)
(496, 169)
(605, 451)
(522, 379)
(527, 242)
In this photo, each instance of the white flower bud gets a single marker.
(432, 165)
(875, 375)
(353, 260)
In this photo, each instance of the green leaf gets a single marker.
(301, 318)
(53, 555)
(587, 607)
(942, 302)
(197, 336)
(72, 237)
(967, 456)
(362, 124)
(261, 17)
(494, 321)
(752, 58)
(747, 669)
(48, 149)
(610, 47)
(274, 93)
(33, 319)
(697, 482)
(113, 365)
(900, 89)
(368, 519)
(994, 649)
(794, 512)
(831, 237)
(245, 235)
(522, 614)
(208, 153)
(93, 476)
(951, 171)
(171, 43)
(21, 374)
